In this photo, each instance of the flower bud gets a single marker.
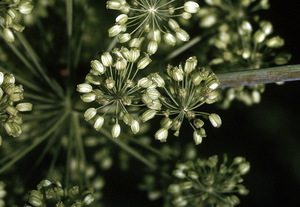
(35, 201)
(266, 27)
(9, 35)
(84, 88)
(189, 65)
(144, 83)
(144, 62)
(191, 7)
(244, 167)
(25, 7)
(246, 26)
(173, 24)
(155, 105)
(17, 27)
(215, 120)
(124, 38)
(166, 122)
(135, 126)
(197, 137)
(147, 115)
(107, 59)
(113, 4)
(182, 35)
(121, 64)
(88, 97)
(8, 21)
(282, 58)
(13, 13)
(90, 113)
(11, 110)
(275, 42)
(122, 19)
(246, 53)
(115, 131)
(174, 189)
(136, 42)
(152, 47)
(193, 175)
(110, 83)
(153, 93)
(198, 123)
(93, 79)
(127, 118)
(213, 2)
(169, 39)
(95, 64)
(259, 36)
(177, 75)
(134, 54)
(157, 36)
(98, 123)
(88, 199)
(161, 135)
(24, 107)
(157, 79)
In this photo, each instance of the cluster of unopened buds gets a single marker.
(203, 183)
(188, 87)
(10, 11)
(150, 19)
(9, 94)
(53, 194)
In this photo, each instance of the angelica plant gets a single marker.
(91, 90)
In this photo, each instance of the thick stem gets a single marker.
(259, 76)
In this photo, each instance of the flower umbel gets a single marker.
(52, 193)
(116, 88)
(10, 10)
(203, 183)
(188, 88)
(10, 93)
(153, 17)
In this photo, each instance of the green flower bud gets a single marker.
(259, 36)
(84, 88)
(11, 110)
(13, 13)
(179, 174)
(144, 83)
(198, 123)
(173, 24)
(88, 199)
(24, 106)
(136, 42)
(197, 137)
(124, 38)
(193, 175)
(35, 201)
(113, 4)
(275, 42)
(152, 47)
(169, 39)
(36, 193)
(17, 27)
(238, 160)
(153, 93)
(186, 15)
(158, 79)
(208, 21)
(182, 35)
(88, 97)
(213, 2)
(16, 97)
(177, 75)
(110, 83)
(98, 123)
(144, 62)
(191, 7)
(107, 59)
(174, 189)
(246, 53)
(264, 4)
(8, 21)
(166, 122)
(96, 80)
(244, 167)
(196, 79)
(115, 131)
(212, 84)
(135, 126)
(161, 135)
(266, 27)
(90, 113)
(1, 78)
(215, 120)
(245, 3)
(127, 118)
(146, 99)
(95, 64)
(246, 26)
(282, 58)
(134, 54)
(157, 36)
(121, 64)
(187, 185)
(125, 52)
(9, 35)
(122, 19)
(25, 7)
(189, 65)
(147, 115)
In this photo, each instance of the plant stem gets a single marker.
(37, 141)
(259, 76)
